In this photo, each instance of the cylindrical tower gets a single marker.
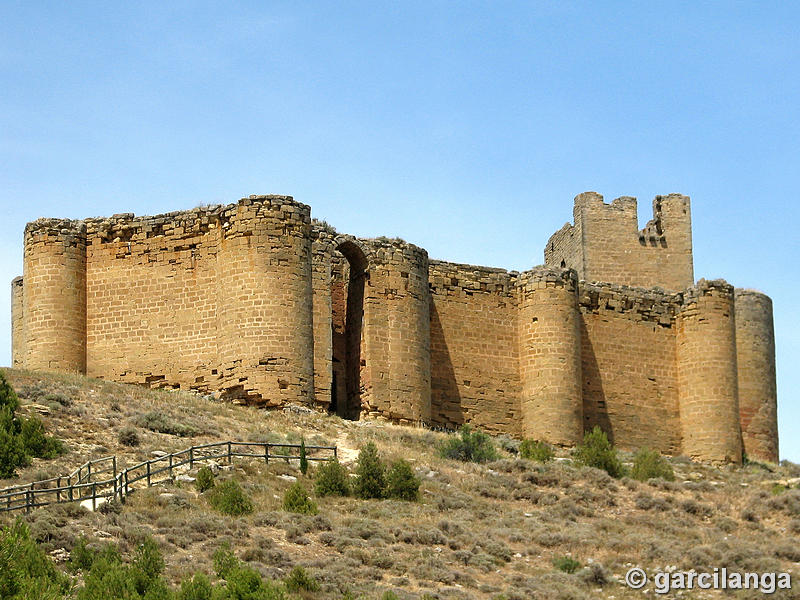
(707, 373)
(397, 332)
(321, 250)
(17, 323)
(755, 358)
(550, 356)
(55, 295)
(266, 341)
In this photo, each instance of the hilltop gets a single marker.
(488, 530)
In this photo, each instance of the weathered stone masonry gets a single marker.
(255, 302)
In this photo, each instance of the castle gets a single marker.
(257, 303)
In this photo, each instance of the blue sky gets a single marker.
(464, 127)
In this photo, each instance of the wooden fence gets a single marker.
(83, 483)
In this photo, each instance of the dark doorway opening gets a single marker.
(348, 274)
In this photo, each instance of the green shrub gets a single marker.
(596, 451)
(303, 457)
(205, 479)
(246, 583)
(370, 474)
(12, 454)
(21, 438)
(8, 397)
(298, 580)
(389, 595)
(536, 450)
(507, 443)
(147, 566)
(229, 499)
(296, 500)
(161, 423)
(196, 588)
(36, 443)
(649, 464)
(332, 479)
(108, 580)
(108, 577)
(129, 436)
(81, 556)
(26, 572)
(224, 560)
(468, 446)
(566, 564)
(56, 398)
(401, 481)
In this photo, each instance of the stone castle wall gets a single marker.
(474, 354)
(629, 368)
(254, 302)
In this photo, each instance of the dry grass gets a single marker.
(479, 531)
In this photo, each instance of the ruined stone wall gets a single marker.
(614, 250)
(755, 359)
(474, 351)
(564, 249)
(55, 295)
(550, 356)
(17, 323)
(707, 373)
(630, 386)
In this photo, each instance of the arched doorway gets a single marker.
(349, 270)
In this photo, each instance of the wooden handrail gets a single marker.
(27, 496)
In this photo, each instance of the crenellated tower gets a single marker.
(605, 243)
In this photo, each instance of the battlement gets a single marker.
(605, 243)
(544, 276)
(231, 219)
(458, 278)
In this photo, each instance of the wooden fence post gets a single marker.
(266, 453)
(230, 458)
(94, 497)
(191, 457)
(148, 473)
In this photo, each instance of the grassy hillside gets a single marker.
(479, 531)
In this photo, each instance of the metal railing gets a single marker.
(82, 484)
